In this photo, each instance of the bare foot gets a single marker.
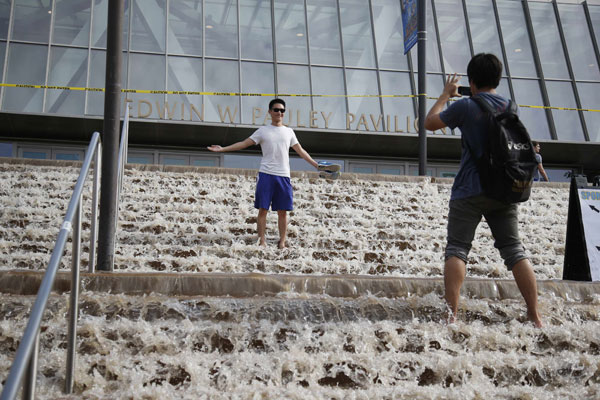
(281, 244)
(450, 316)
(262, 243)
(535, 319)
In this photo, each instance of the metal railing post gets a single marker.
(95, 198)
(31, 373)
(74, 300)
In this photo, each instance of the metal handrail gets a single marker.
(123, 147)
(25, 362)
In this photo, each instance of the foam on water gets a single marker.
(317, 347)
(295, 346)
(205, 222)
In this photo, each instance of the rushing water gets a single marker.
(205, 222)
(303, 347)
(291, 345)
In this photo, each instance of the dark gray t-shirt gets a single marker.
(466, 115)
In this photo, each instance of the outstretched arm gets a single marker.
(232, 147)
(302, 153)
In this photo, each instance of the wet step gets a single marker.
(313, 347)
(187, 220)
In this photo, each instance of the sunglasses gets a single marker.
(281, 110)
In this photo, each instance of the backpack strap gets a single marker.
(487, 107)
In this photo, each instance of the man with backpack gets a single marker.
(476, 186)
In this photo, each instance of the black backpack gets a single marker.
(508, 163)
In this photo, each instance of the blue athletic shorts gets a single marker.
(273, 191)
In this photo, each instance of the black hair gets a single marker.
(275, 101)
(534, 143)
(485, 71)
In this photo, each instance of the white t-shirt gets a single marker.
(275, 142)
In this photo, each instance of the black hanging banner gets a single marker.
(582, 248)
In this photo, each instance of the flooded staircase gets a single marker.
(352, 310)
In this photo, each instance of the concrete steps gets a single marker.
(176, 219)
(291, 346)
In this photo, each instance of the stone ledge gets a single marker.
(25, 282)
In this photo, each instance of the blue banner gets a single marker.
(409, 22)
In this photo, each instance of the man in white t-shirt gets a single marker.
(273, 186)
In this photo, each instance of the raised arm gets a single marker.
(433, 121)
(232, 147)
(302, 153)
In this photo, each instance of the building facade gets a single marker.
(339, 64)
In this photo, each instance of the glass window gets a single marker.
(567, 123)
(72, 22)
(68, 67)
(185, 27)
(579, 42)
(222, 76)
(414, 170)
(2, 54)
(516, 39)
(594, 16)
(389, 37)
(589, 94)
(185, 73)
(503, 88)
(204, 161)
(148, 25)
(356, 33)
(66, 156)
(433, 55)
(484, 31)
(221, 28)
(38, 155)
(527, 92)
(256, 78)
(399, 111)
(241, 161)
(4, 17)
(290, 31)
(99, 21)
(362, 168)
(390, 169)
(6, 149)
(548, 40)
(139, 158)
(331, 110)
(31, 20)
(26, 65)
(147, 72)
(324, 31)
(256, 36)
(97, 79)
(173, 159)
(453, 30)
(366, 110)
(293, 79)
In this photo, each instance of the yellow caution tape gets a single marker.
(195, 93)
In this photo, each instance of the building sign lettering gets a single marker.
(315, 119)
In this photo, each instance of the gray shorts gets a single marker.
(465, 215)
